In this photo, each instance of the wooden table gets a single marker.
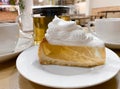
(80, 20)
(109, 11)
(7, 16)
(11, 79)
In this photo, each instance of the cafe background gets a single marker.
(87, 9)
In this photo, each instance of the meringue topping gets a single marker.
(61, 32)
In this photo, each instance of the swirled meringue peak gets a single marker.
(61, 32)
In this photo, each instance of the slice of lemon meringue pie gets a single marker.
(67, 44)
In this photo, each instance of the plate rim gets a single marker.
(64, 86)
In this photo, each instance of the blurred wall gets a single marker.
(104, 3)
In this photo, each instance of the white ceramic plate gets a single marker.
(23, 43)
(63, 76)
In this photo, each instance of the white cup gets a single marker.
(9, 34)
(107, 29)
